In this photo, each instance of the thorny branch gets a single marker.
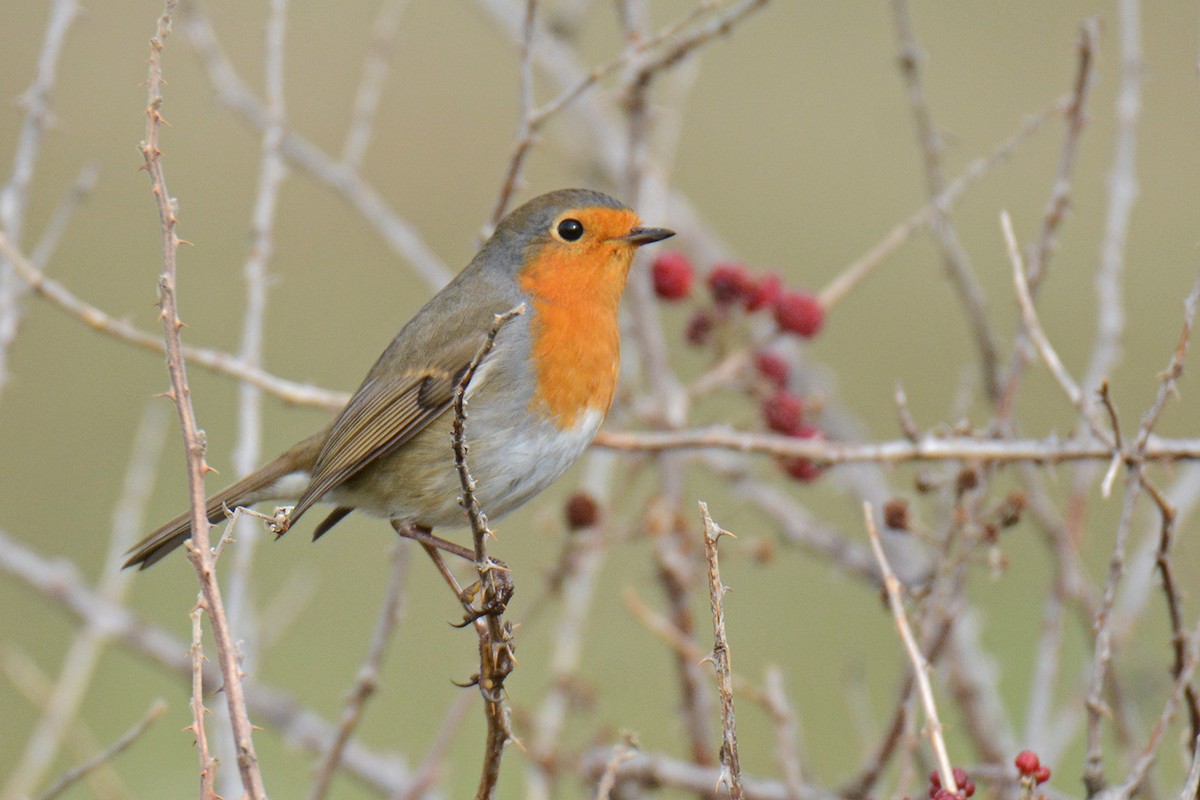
(495, 635)
(199, 552)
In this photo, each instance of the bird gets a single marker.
(535, 402)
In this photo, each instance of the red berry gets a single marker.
(967, 787)
(806, 470)
(773, 367)
(799, 312)
(581, 511)
(672, 273)
(935, 780)
(1027, 762)
(783, 412)
(1042, 774)
(960, 777)
(729, 283)
(942, 794)
(764, 293)
(699, 328)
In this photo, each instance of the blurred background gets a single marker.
(791, 139)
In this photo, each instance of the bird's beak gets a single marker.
(640, 236)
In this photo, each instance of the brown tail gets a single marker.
(250, 489)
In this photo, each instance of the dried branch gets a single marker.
(368, 674)
(496, 660)
(621, 752)
(1093, 772)
(247, 452)
(428, 770)
(1076, 119)
(59, 580)
(1137, 775)
(216, 361)
(1122, 195)
(858, 271)
(916, 658)
(1056, 206)
(14, 196)
(80, 191)
(656, 771)
(83, 655)
(954, 255)
(75, 774)
(208, 764)
(731, 768)
(370, 87)
(339, 176)
(577, 582)
(199, 554)
(787, 731)
(1034, 327)
(1051, 450)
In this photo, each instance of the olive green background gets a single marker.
(796, 145)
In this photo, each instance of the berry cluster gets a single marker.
(1032, 770)
(733, 291)
(731, 285)
(966, 787)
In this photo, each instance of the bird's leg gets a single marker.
(425, 537)
(433, 544)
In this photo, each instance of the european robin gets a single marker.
(536, 401)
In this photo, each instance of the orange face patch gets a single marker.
(576, 287)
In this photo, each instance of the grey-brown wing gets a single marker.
(384, 414)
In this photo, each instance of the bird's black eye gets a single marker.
(570, 229)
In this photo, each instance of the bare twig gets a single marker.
(1122, 195)
(208, 764)
(529, 122)
(1192, 784)
(858, 271)
(73, 775)
(342, 177)
(731, 768)
(495, 636)
(368, 674)
(651, 54)
(1051, 450)
(657, 771)
(621, 752)
(14, 196)
(1076, 118)
(919, 664)
(1137, 775)
(35, 685)
(200, 555)
(247, 453)
(52, 234)
(1056, 206)
(60, 581)
(787, 731)
(370, 87)
(1093, 771)
(954, 255)
(577, 582)
(1034, 326)
(428, 770)
(216, 361)
(83, 656)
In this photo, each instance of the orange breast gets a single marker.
(575, 343)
